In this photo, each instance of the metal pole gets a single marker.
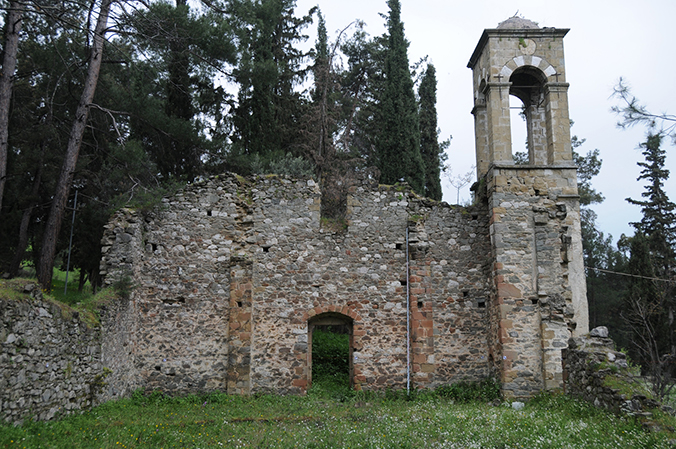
(408, 322)
(70, 245)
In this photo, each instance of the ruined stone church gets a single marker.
(232, 275)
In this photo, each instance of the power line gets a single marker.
(630, 275)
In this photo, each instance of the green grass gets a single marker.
(72, 296)
(85, 304)
(320, 421)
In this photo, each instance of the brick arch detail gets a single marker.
(532, 61)
(344, 310)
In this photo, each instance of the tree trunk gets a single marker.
(82, 281)
(13, 26)
(46, 263)
(25, 218)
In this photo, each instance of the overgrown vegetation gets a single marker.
(485, 390)
(330, 362)
(330, 352)
(85, 304)
(315, 421)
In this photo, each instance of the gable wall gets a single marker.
(230, 270)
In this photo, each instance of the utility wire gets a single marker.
(630, 275)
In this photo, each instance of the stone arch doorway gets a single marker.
(334, 320)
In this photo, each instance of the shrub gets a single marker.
(485, 391)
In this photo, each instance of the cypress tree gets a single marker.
(398, 142)
(430, 149)
(651, 303)
(659, 213)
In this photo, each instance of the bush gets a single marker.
(486, 390)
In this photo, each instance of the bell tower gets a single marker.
(539, 297)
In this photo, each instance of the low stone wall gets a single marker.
(50, 359)
(594, 370)
(52, 362)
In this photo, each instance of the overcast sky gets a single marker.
(607, 40)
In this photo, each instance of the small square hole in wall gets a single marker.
(239, 303)
(420, 304)
(400, 246)
(154, 247)
(465, 293)
(208, 213)
(403, 282)
(481, 304)
(534, 300)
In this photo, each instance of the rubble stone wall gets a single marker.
(54, 363)
(534, 228)
(51, 361)
(594, 370)
(229, 271)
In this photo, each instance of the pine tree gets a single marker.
(176, 105)
(13, 21)
(53, 226)
(430, 149)
(398, 141)
(270, 67)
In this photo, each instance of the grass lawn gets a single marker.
(324, 420)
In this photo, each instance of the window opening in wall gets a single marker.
(330, 364)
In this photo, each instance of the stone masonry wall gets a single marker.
(594, 369)
(230, 270)
(534, 218)
(118, 328)
(51, 361)
(122, 248)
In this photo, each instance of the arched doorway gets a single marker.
(341, 346)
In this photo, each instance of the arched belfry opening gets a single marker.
(527, 85)
(519, 59)
(330, 351)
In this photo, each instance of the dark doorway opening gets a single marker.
(330, 355)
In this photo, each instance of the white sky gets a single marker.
(607, 40)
